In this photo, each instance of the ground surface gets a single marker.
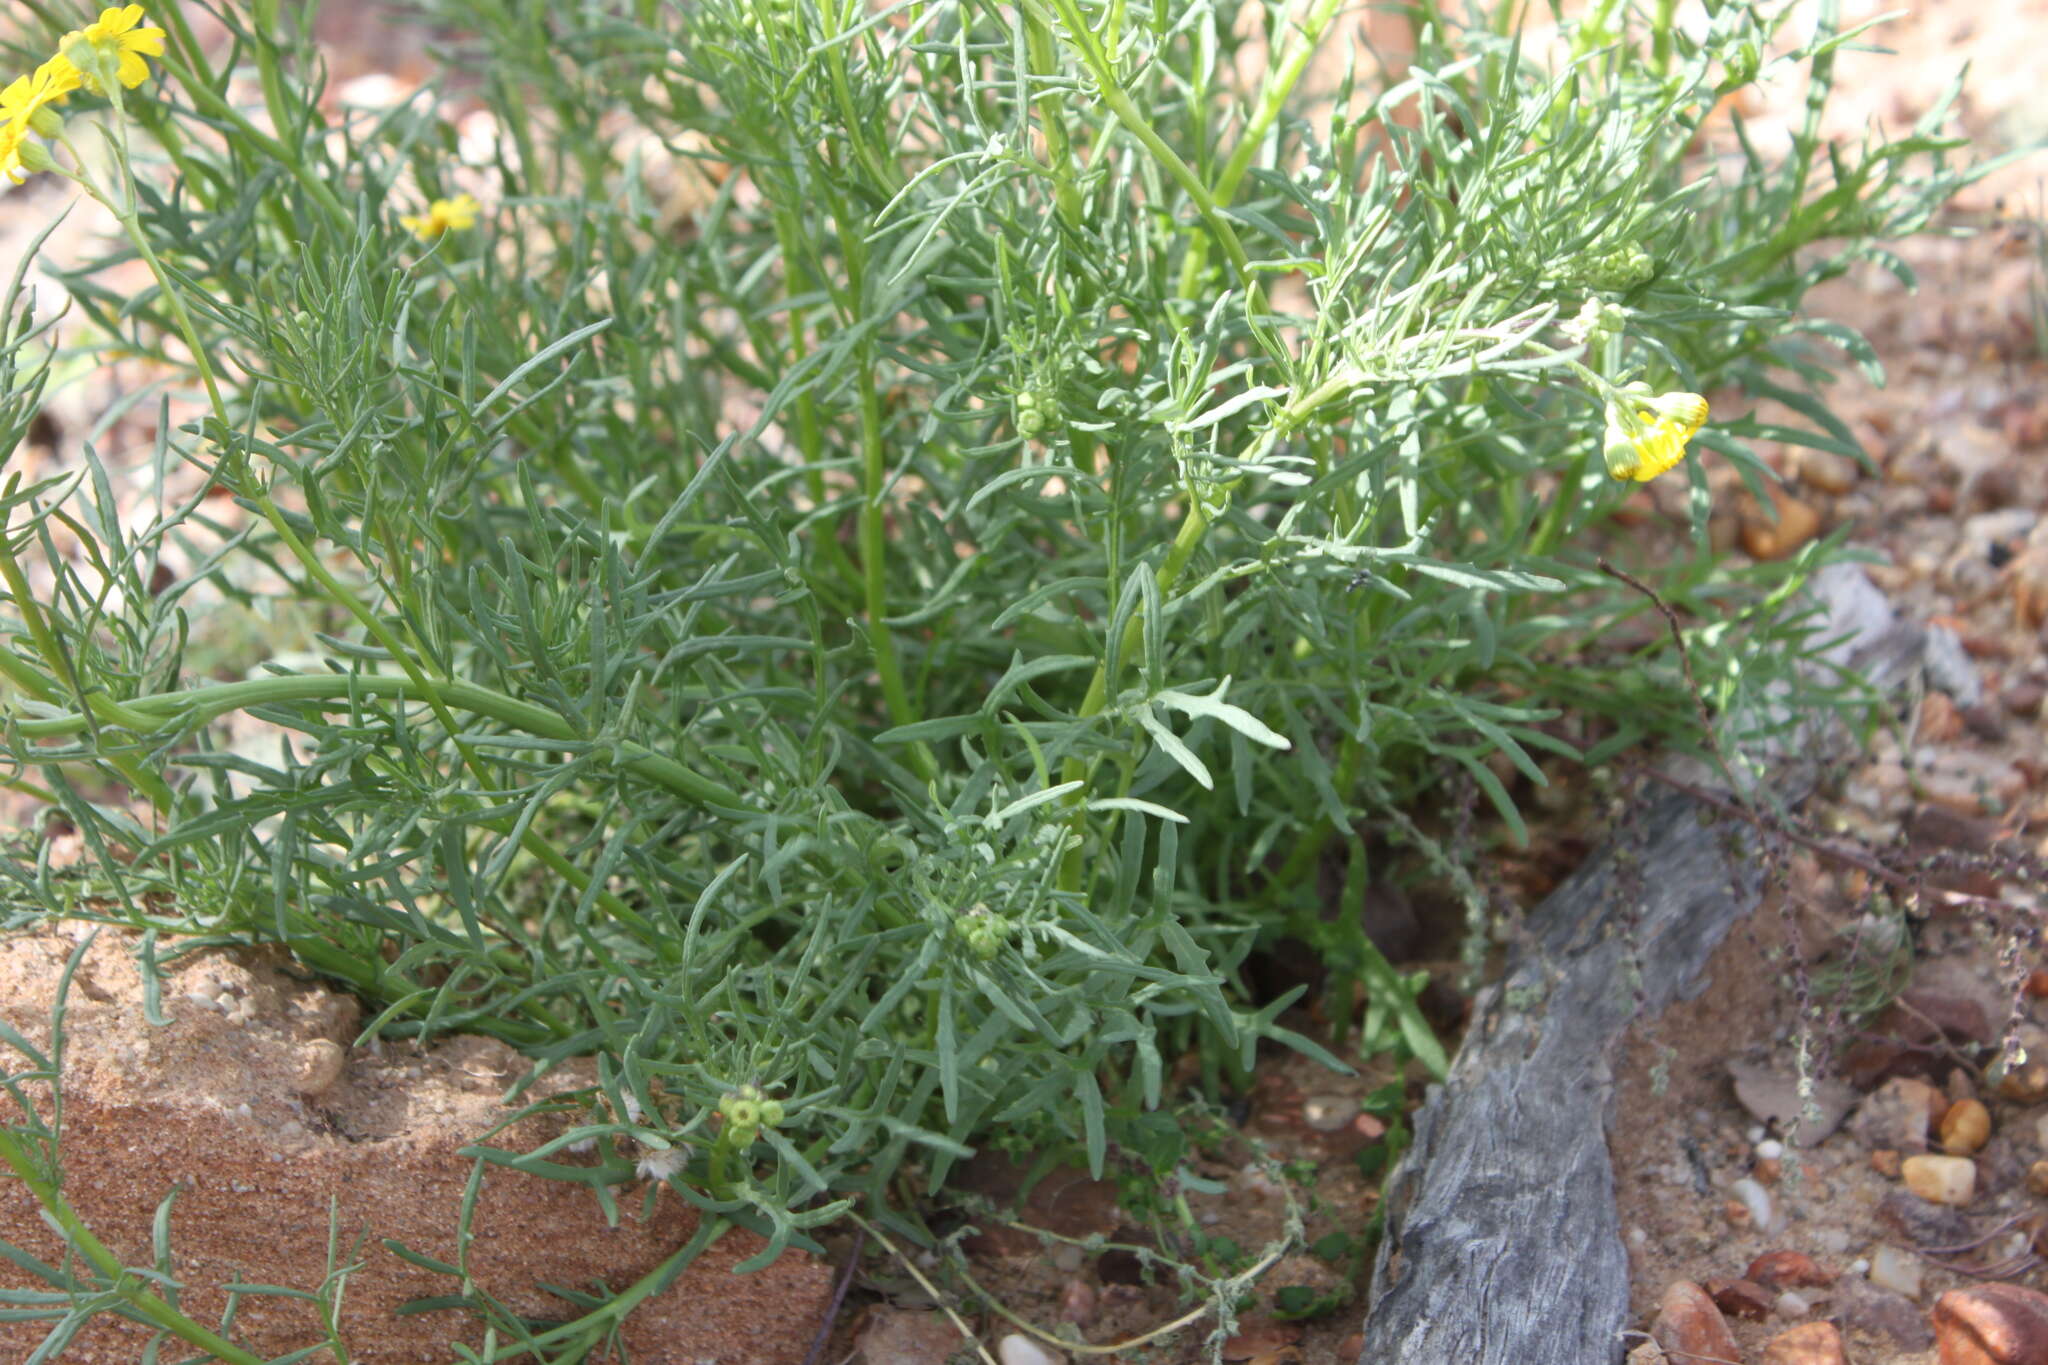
(1952, 511)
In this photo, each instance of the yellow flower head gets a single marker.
(112, 43)
(1646, 433)
(12, 133)
(442, 215)
(27, 100)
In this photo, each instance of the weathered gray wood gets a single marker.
(1503, 1241)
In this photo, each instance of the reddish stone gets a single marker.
(1789, 1270)
(1740, 1298)
(1691, 1329)
(1992, 1324)
(1258, 1337)
(1810, 1343)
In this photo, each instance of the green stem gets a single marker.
(1127, 112)
(1302, 45)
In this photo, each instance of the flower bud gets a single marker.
(34, 156)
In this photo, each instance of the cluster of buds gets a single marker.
(1614, 270)
(1030, 413)
(746, 1111)
(983, 931)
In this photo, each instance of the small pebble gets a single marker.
(1770, 1149)
(1965, 1128)
(1815, 1343)
(1756, 1201)
(1859, 1266)
(1789, 1270)
(1791, 1304)
(1896, 1270)
(1327, 1113)
(1950, 1180)
(1018, 1349)
(2037, 1178)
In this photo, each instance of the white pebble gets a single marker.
(1637, 1237)
(1018, 1349)
(1896, 1270)
(1762, 1213)
(1755, 1134)
(1791, 1305)
(1770, 1149)
(1860, 1266)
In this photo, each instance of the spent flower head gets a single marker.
(1647, 433)
(112, 44)
(443, 215)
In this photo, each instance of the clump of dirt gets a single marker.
(247, 1100)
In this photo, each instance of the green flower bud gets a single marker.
(34, 156)
(46, 121)
(1741, 67)
(1625, 267)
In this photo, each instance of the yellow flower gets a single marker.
(1646, 434)
(441, 216)
(11, 135)
(112, 42)
(27, 100)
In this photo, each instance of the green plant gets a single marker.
(867, 656)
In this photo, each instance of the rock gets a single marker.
(1690, 1328)
(2037, 1178)
(1965, 1128)
(1259, 1339)
(1792, 1304)
(1740, 1298)
(1813, 1343)
(2023, 698)
(1862, 1307)
(1885, 1161)
(1773, 1096)
(1647, 1353)
(1824, 471)
(1327, 1113)
(1950, 1180)
(1920, 1223)
(1353, 1346)
(1756, 1203)
(1972, 783)
(1984, 721)
(1924, 1013)
(1941, 721)
(1894, 1117)
(2029, 577)
(1077, 1303)
(1949, 668)
(1789, 1270)
(903, 1336)
(1992, 1324)
(1765, 536)
(1896, 1270)
(1018, 1349)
